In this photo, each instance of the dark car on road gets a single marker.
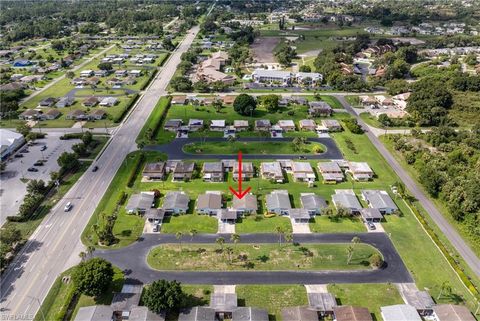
(18, 155)
(95, 168)
(32, 169)
(43, 148)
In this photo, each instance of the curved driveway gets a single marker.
(174, 149)
(132, 259)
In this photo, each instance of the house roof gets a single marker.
(197, 314)
(350, 313)
(311, 201)
(302, 167)
(272, 168)
(400, 312)
(371, 213)
(278, 199)
(347, 200)
(109, 100)
(125, 301)
(76, 112)
(247, 167)
(226, 214)
(307, 123)
(52, 112)
(216, 167)
(319, 104)
(262, 123)
(176, 199)
(154, 214)
(223, 302)
(98, 112)
(323, 302)
(90, 100)
(157, 167)
(286, 123)
(272, 73)
(248, 202)
(173, 123)
(378, 199)
(329, 123)
(359, 167)
(141, 200)
(450, 312)
(184, 167)
(94, 313)
(329, 167)
(210, 201)
(240, 123)
(144, 314)
(195, 122)
(249, 314)
(299, 314)
(218, 123)
(420, 300)
(298, 213)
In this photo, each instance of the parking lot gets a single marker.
(12, 189)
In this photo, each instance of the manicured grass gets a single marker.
(185, 223)
(371, 296)
(153, 124)
(208, 257)
(323, 224)
(261, 224)
(273, 298)
(253, 148)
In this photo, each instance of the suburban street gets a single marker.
(133, 260)
(55, 245)
(174, 149)
(460, 245)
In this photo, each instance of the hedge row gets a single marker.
(71, 136)
(461, 273)
(129, 105)
(138, 162)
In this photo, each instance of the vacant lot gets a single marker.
(263, 49)
(253, 148)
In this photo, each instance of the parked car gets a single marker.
(371, 226)
(155, 228)
(95, 168)
(24, 150)
(302, 157)
(43, 148)
(68, 207)
(18, 155)
(38, 163)
(32, 169)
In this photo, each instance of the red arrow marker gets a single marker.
(239, 194)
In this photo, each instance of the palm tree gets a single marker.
(444, 288)
(280, 231)
(90, 250)
(229, 252)
(349, 254)
(192, 233)
(220, 241)
(355, 240)
(179, 236)
(82, 255)
(289, 237)
(235, 238)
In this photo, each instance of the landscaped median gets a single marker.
(260, 147)
(258, 257)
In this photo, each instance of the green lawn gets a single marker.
(208, 257)
(266, 148)
(371, 296)
(185, 223)
(323, 224)
(261, 224)
(273, 298)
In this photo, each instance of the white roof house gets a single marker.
(379, 200)
(108, 101)
(400, 312)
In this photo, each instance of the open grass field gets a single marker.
(372, 296)
(207, 257)
(185, 223)
(262, 224)
(264, 148)
(272, 297)
(324, 224)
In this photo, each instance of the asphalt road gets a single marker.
(55, 245)
(452, 235)
(174, 149)
(132, 259)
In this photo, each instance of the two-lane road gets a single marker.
(54, 246)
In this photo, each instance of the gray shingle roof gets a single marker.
(140, 201)
(278, 199)
(94, 313)
(197, 314)
(312, 201)
(299, 314)
(249, 314)
(378, 199)
(210, 201)
(176, 199)
(400, 312)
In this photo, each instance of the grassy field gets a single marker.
(273, 298)
(207, 257)
(185, 223)
(372, 296)
(323, 224)
(261, 224)
(266, 148)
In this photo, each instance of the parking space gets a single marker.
(374, 227)
(13, 179)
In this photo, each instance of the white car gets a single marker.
(68, 207)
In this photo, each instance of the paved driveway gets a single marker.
(12, 189)
(132, 259)
(174, 149)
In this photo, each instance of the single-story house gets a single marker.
(121, 73)
(154, 170)
(420, 300)
(109, 101)
(94, 313)
(240, 125)
(77, 114)
(90, 101)
(93, 81)
(313, 203)
(332, 125)
(139, 203)
(217, 125)
(249, 314)
(47, 102)
(183, 171)
(245, 205)
(286, 125)
(115, 82)
(175, 202)
(331, 172)
(400, 312)
(100, 73)
(346, 198)
(299, 215)
(379, 200)
(278, 202)
(223, 302)
(302, 172)
(179, 100)
(227, 215)
(247, 171)
(30, 114)
(262, 125)
(86, 73)
(323, 303)
(360, 171)
(65, 101)
(197, 314)
(299, 314)
(450, 312)
(172, 125)
(135, 73)
(307, 124)
(209, 203)
(229, 99)
(319, 108)
(52, 114)
(195, 124)
(97, 114)
(272, 171)
(16, 77)
(371, 215)
(350, 313)
(213, 172)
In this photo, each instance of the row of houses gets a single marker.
(394, 107)
(103, 73)
(286, 78)
(333, 171)
(67, 101)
